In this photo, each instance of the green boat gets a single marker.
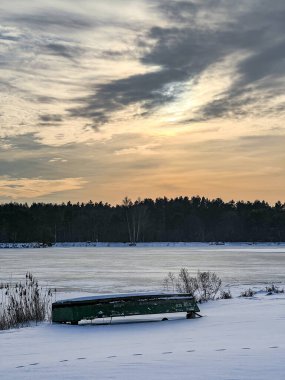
(118, 305)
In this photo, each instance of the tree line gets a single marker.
(196, 219)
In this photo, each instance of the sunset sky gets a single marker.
(144, 98)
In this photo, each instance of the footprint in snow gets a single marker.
(137, 354)
(167, 352)
(246, 348)
(112, 356)
(65, 360)
(81, 358)
(221, 349)
(274, 347)
(190, 351)
(20, 366)
(34, 364)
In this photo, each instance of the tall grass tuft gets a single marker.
(24, 303)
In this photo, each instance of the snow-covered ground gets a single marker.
(236, 339)
(150, 244)
(164, 244)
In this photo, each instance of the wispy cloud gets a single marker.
(33, 188)
(186, 48)
(113, 89)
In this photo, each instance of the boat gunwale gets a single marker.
(97, 300)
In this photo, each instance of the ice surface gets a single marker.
(140, 269)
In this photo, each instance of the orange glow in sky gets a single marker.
(105, 99)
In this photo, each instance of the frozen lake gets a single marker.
(239, 338)
(125, 269)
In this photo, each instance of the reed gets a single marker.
(23, 303)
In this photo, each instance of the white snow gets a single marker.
(236, 339)
(124, 295)
(164, 244)
(139, 245)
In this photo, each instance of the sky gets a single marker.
(141, 98)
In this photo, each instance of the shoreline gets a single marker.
(138, 245)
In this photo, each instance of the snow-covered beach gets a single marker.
(239, 338)
(236, 339)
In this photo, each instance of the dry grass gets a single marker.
(24, 303)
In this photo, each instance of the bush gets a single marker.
(247, 293)
(226, 294)
(273, 289)
(23, 303)
(204, 286)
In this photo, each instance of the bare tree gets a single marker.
(208, 285)
(186, 283)
(169, 283)
(135, 215)
(127, 203)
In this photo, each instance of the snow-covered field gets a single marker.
(241, 338)
(236, 339)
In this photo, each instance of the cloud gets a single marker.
(24, 142)
(210, 32)
(9, 35)
(50, 119)
(43, 99)
(190, 38)
(57, 159)
(178, 10)
(107, 98)
(29, 158)
(63, 50)
(142, 75)
(32, 188)
(51, 18)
